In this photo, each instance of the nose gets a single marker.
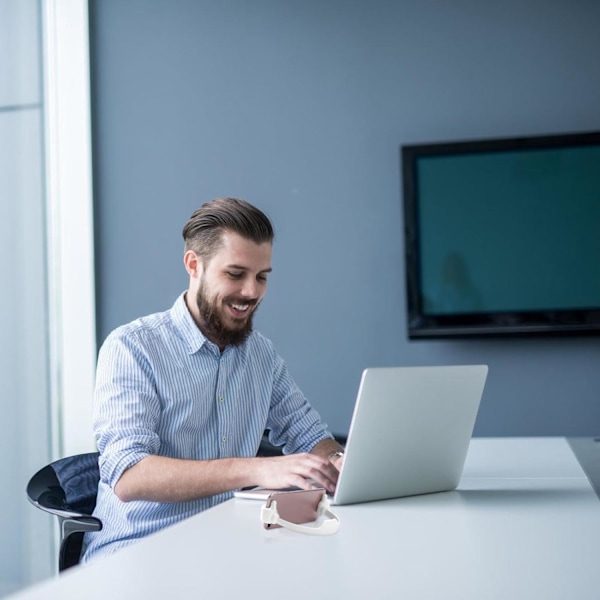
(250, 288)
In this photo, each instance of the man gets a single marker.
(183, 397)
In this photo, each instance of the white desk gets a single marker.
(524, 523)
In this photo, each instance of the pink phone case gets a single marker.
(299, 506)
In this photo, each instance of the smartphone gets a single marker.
(299, 506)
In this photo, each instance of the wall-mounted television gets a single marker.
(502, 236)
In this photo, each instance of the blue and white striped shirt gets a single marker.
(163, 389)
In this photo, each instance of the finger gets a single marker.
(303, 483)
(326, 477)
(308, 471)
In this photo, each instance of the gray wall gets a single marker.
(300, 107)
(26, 534)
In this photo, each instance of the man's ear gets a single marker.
(192, 263)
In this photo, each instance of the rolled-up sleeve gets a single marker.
(292, 420)
(126, 406)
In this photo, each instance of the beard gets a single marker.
(213, 318)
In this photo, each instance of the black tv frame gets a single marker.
(424, 325)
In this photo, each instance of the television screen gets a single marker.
(502, 236)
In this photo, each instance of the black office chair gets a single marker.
(67, 488)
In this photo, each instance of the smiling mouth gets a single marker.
(241, 309)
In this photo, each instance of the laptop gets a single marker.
(410, 431)
(409, 434)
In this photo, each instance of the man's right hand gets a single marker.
(295, 470)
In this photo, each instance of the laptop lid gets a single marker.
(410, 431)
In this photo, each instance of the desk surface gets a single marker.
(523, 523)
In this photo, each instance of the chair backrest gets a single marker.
(67, 488)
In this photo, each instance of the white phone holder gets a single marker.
(329, 526)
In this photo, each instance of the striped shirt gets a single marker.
(163, 389)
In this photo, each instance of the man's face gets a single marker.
(230, 288)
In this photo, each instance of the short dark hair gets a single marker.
(203, 232)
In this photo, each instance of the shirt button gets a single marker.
(221, 399)
(224, 439)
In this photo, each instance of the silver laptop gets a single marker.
(410, 431)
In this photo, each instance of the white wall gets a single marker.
(68, 183)
(47, 324)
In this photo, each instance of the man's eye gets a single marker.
(234, 275)
(261, 277)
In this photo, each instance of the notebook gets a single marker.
(409, 433)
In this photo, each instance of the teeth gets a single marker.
(241, 307)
